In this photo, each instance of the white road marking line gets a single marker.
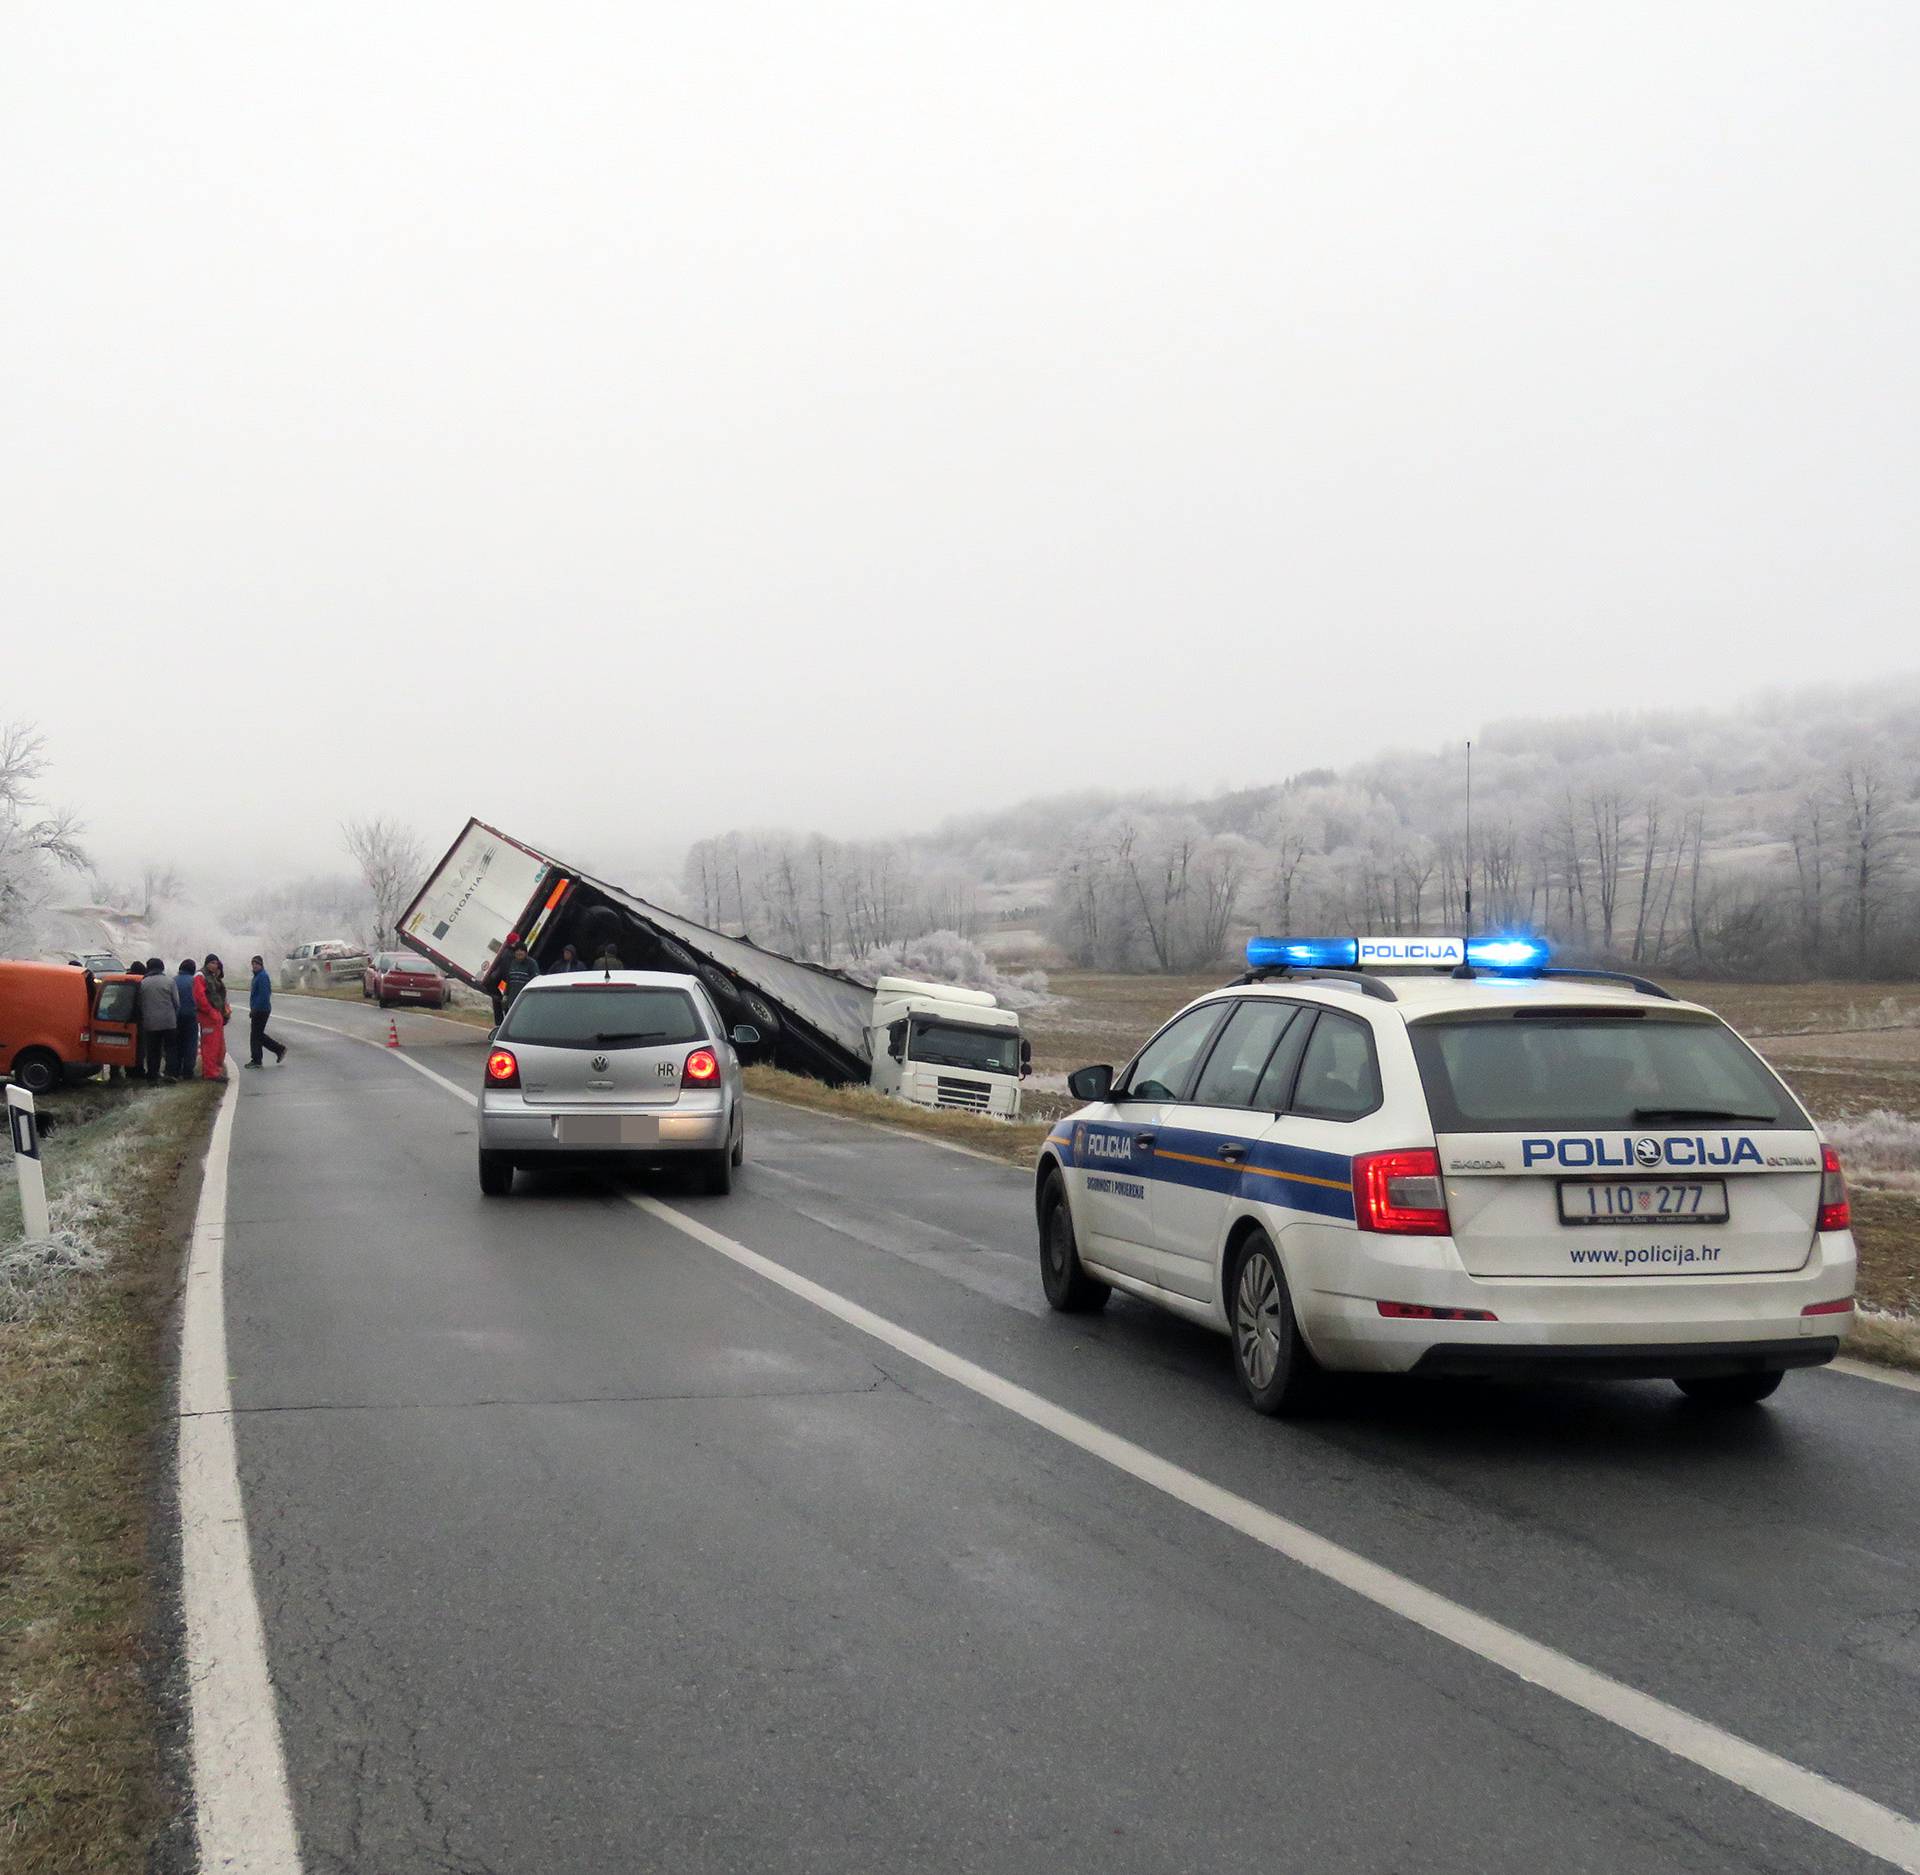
(242, 1813)
(1841, 1812)
(898, 1132)
(1853, 1818)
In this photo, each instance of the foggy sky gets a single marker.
(625, 422)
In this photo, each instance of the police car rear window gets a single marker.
(1498, 1074)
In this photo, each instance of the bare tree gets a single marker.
(33, 841)
(392, 865)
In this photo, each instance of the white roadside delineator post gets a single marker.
(24, 1123)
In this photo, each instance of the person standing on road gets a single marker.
(570, 959)
(609, 958)
(186, 1032)
(259, 1008)
(211, 1006)
(520, 973)
(136, 1068)
(158, 998)
(497, 982)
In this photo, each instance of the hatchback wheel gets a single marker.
(1274, 1365)
(496, 1174)
(1732, 1389)
(1069, 1288)
(716, 1172)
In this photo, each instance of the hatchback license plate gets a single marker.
(1641, 1200)
(608, 1129)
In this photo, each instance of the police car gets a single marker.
(1442, 1156)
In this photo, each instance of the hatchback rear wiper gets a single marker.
(1701, 1113)
(632, 1035)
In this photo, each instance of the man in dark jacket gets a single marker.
(186, 1032)
(520, 973)
(259, 1008)
(158, 1000)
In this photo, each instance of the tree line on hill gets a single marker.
(1779, 838)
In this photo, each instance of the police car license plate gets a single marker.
(608, 1129)
(1640, 1200)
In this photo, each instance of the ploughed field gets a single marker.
(1850, 1050)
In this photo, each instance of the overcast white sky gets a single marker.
(623, 422)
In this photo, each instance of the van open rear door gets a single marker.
(107, 1040)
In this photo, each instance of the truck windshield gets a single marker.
(954, 1045)
(1505, 1073)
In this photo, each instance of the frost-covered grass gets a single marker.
(1879, 1148)
(82, 1399)
(85, 1177)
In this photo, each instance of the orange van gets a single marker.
(54, 1017)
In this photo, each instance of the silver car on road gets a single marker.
(602, 1064)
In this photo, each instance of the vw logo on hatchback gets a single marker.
(600, 1064)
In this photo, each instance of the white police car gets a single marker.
(1435, 1156)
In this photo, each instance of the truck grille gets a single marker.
(972, 1095)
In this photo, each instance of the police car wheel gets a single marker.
(1274, 1365)
(496, 1174)
(1069, 1288)
(1732, 1389)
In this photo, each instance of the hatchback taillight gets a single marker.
(1836, 1211)
(702, 1069)
(1400, 1193)
(503, 1069)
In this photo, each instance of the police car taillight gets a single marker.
(503, 1068)
(1836, 1211)
(702, 1069)
(1423, 1312)
(1400, 1193)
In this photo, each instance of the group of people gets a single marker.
(180, 1020)
(522, 968)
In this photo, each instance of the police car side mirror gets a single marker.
(1090, 1083)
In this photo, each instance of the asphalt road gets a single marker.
(582, 1548)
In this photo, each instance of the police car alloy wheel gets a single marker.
(1069, 1288)
(1272, 1360)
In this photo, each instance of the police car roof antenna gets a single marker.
(1464, 968)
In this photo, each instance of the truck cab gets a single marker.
(939, 1046)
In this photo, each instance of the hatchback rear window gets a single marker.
(1505, 1074)
(611, 1015)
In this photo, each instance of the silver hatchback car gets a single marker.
(633, 1064)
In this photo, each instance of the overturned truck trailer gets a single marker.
(490, 887)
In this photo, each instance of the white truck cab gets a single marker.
(939, 1046)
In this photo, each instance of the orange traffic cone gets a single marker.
(393, 1032)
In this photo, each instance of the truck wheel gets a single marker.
(37, 1070)
(496, 1174)
(1272, 1360)
(1069, 1288)
(1732, 1389)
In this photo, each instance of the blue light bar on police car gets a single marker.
(1507, 953)
(1432, 953)
(1322, 953)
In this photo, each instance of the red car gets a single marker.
(400, 977)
